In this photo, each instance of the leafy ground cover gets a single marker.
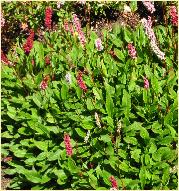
(89, 95)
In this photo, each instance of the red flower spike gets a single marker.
(4, 58)
(47, 60)
(29, 43)
(48, 17)
(113, 182)
(81, 82)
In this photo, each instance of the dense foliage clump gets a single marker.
(88, 107)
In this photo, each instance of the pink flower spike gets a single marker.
(43, 85)
(68, 145)
(2, 20)
(146, 83)
(131, 50)
(98, 44)
(174, 16)
(149, 5)
(151, 35)
(71, 29)
(77, 26)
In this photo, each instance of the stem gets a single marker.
(164, 12)
(17, 76)
(89, 16)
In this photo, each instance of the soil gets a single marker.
(4, 179)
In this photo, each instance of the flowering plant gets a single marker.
(83, 111)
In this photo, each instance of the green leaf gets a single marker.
(153, 148)
(87, 125)
(136, 126)
(156, 156)
(20, 153)
(165, 153)
(30, 161)
(60, 174)
(42, 145)
(119, 54)
(144, 133)
(45, 179)
(6, 135)
(10, 171)
(106, 175)
(165, 176)
(101, 188)
(131, 140)
(147, 159)
(109, 104)
(38, 187)
(79, 92)
(122, 153)
(42, 156)
(110, 150)
(52, 156)
(127, 35)
(109, 120)
(123, 166)
(155, 84)
(37, 100)
(126, 102)
(142, 176)
(139, 60)
(98, 171)
(135, 154)
(132, 85)
(133, 6)
(41, 129)
(113, 161)
(11, 112)
(89, 104)
(50, 118)
(168, 119)
(169, 62)
(105, 138)
(96, 93)
(141, 38)
(61, 177)
(157, 128)
(32, 176)
(116, 41)
(104, 70)
(64, 91)
(80, 132)
(93, 181)
(72, 165)
(166, 140)
(145, 95)
(172, 130)
(39, 50)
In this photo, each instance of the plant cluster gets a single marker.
(83, 112)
